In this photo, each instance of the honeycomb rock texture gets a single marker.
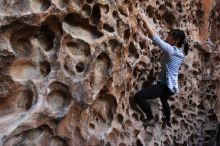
(69, 70)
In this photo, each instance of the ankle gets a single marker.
(150, 118)
(166, 119)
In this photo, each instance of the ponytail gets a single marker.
(186, 48)
(180, 36)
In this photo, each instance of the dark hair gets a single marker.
(180, 35)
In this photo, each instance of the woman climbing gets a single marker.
(171, 60)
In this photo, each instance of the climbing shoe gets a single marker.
(166, 121)
(149, 122)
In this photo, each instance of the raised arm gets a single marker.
(150, 30)
(154, 37)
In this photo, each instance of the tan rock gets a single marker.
(69, 70)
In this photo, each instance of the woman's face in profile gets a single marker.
(170, 39)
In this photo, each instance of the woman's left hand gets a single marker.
(142, 16)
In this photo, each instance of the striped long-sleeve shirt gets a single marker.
(171, 60)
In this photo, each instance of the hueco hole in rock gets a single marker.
(69, 70)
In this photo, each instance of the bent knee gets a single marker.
(138, 97)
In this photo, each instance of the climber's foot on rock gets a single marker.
(148, 122)
(166, 122)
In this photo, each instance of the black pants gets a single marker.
(152, 92)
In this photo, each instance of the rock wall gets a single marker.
(69, 70)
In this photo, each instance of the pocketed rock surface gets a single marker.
(69, 70)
